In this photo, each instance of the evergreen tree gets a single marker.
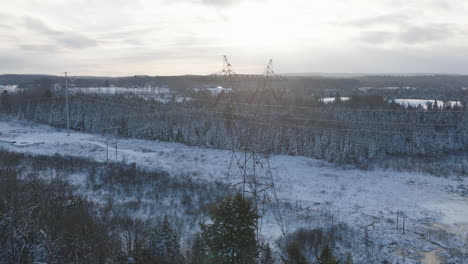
(326, 256)
(164, 243)
(5, 102)
(231, 236)
(337, 98)
(266, 257)
(197, 254)
(295, 255)
(435, 106)
(349, 259)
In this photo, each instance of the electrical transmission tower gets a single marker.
(249, 171)
(69, 82)
(227, 67)
(269, 78)
(228, 79)
(266, 87)
(67, 105)
(113, 134)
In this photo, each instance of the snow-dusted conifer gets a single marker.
(231, 237)
(164, 243)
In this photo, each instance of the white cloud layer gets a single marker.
(121, 37)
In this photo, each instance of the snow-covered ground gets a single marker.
(112, 90)
(406, 102)
(8, 88)
(214, 90)
(161, 94)
(356, 197)
(332, 99)
(393, 88)
(424, 103)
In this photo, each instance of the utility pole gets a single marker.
(116, 145)
(404, 225)
(107, 151)
(105, 132)
(397, 218)
(66, 99)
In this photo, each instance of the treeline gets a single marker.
(442, 87)
(436, 81)
(355, 131)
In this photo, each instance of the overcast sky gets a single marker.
(167, 37)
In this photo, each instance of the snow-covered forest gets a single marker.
(356, 131)
(49, 201)
(365, 179)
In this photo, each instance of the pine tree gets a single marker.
(295, 255)
(164, 243)
(349, 259)
(5, 102)
(326, 256)
(266, 257)
(231, 237)
(198, 252)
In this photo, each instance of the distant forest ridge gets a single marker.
(364, 74)
(294, 81)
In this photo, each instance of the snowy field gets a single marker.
(359, 198)
(161, 94)
(8, 88)
(392, 88)
(424, 103)
(405, 102)
(327, 100)
(113, 90)
(214, 90)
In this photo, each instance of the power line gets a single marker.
(284, 123)
(266, 120)
(351, 109)
(297, 117)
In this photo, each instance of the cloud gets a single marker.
(40, 27)
(5, 26)
(214, 3)
(131, 32)
(412, 35)
(220, 2)
(387, 19)
(15, 61)
(37, 47)
(442, 4)
(76, 41)
(10, 62)
(148, 35)
(61, 38)
(4, 16)
(376, 37)
(133, 36)
(428, 33)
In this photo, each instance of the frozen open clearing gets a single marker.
(357, 197)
